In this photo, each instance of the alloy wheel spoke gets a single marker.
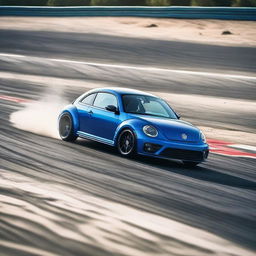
(65, 126)
(126, 143)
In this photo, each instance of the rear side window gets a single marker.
(104, 99)
(89, 99)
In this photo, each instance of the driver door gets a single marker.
(103, 123)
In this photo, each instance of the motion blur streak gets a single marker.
(14, 99)
(100, 223)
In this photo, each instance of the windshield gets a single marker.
(147, 105)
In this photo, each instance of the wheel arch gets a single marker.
(72, 111)
(128, 124)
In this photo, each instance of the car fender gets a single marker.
(72, 110)
(134, 124)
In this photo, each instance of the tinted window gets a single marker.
(147, 105)
(89, 99)
(104, 99)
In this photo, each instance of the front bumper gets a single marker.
(184, 151)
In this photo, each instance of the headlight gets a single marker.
(203, 138)
(150, 130)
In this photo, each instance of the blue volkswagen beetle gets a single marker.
(135, 122)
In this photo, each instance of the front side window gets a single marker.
(104, 99)
(89, 99)
(147, 105)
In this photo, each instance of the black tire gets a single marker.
(66, 128)
(126, 143)
(190, 164)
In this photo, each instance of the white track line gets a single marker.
(187, 72)
(246, 147)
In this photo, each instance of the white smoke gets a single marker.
(40, 116)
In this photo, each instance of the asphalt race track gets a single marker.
(63, 199)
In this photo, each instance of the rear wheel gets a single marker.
(190, 164)
(126, 143)
(66, 128)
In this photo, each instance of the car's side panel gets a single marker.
(84, 117)
(103, 123)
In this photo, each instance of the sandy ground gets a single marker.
(204, 31)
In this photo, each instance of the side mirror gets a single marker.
(112, 108)
(178, 115)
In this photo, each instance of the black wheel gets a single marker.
(190, 164)
(126, 143)
(66, 129)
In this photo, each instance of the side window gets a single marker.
(89, 99)
(104, 99)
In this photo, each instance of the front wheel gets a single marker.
(190, 164)
(66, 129)
(126, 143)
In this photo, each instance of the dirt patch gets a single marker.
(203, 31)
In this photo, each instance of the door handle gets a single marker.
(90, 112)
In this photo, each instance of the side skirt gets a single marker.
(95, 138)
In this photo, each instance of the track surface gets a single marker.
(129, 50)
(217, 197)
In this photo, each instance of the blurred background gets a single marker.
(248, 3)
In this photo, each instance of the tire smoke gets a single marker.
(41, 116)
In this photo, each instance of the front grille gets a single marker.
(187, 155)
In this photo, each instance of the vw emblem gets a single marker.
(184, 136)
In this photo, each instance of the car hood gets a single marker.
(173, 129)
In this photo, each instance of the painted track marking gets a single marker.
(120, 66)
(227, 148)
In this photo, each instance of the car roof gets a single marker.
(120, 90)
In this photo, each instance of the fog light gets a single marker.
(151, 148)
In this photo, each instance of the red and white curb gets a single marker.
(230, 149)
(216, 146)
